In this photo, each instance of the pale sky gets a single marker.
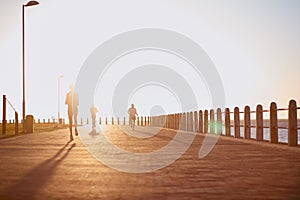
(254, 44)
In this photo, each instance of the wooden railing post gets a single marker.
(219, 121)
(152, 121)
(146, 121)
(237, 122)
(179, 121)
(4, 116)
(187, 128)
(196, 123)
(292, 124)
(112, 121)
(176, 121)
(170, 121)
(191, 122)
(259, 123)
(227, 122)
(142, 121)
(16, 123)
(118, 121)
(160, 121)
(273, 123)
(247, 123)
(205, 121)
(212, 122)
(200, 129)
(138, 121)
(167, 117)
(183, 122)
(106, 121)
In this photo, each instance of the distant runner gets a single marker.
(132, 113)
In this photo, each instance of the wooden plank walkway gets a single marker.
(47, 166)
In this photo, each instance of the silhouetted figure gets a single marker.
(94, 111)
(132, 113)
(72, 101)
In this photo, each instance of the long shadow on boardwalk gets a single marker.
(33, 181)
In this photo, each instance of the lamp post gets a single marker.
(30, 3)
(58, 102)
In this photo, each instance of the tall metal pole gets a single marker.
(23, 68)
(30, 3)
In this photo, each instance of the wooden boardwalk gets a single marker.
(47, 166)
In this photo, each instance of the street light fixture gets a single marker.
(58, 103)
(30, 3)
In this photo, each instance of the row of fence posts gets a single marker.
(140, 121)
(38, 121)
(205, 122)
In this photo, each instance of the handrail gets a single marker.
(11, 105)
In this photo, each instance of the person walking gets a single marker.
(94, 111)
(72, 102)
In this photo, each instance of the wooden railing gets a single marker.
(209, 121)
(212, 122)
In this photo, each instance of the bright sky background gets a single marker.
(254, 44)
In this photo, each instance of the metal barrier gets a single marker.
(4, 121)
